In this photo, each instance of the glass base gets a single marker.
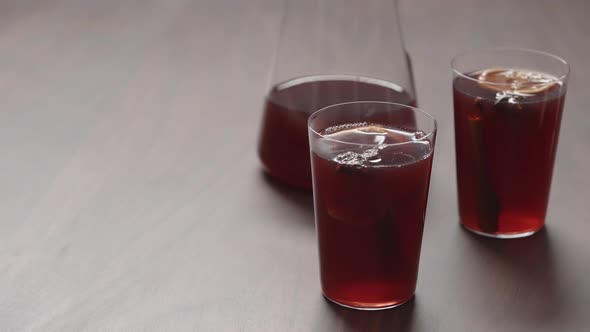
(501, 235)
(370, 306)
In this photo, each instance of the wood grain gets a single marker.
(131, 198)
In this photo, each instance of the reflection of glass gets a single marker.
(330, 51)
(371, 165)
(508, 106)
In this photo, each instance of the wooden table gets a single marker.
(131, 197)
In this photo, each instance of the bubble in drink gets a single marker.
(372, 155)
(418, 135)
(349, 158)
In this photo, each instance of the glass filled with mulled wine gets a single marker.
(371, 165)
(508, 105)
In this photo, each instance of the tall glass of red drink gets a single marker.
(371, 164)
(508, 105)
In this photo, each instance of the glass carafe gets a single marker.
(329, 52)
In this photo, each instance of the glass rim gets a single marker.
(456, 58)
(338, 77)
(315, 114)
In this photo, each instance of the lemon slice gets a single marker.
(516, 81)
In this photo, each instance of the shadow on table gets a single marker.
(400, 319)
(527, 268)
(300, 199)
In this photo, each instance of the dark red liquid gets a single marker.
(505, 153)
(283, 146)
(369, 220)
